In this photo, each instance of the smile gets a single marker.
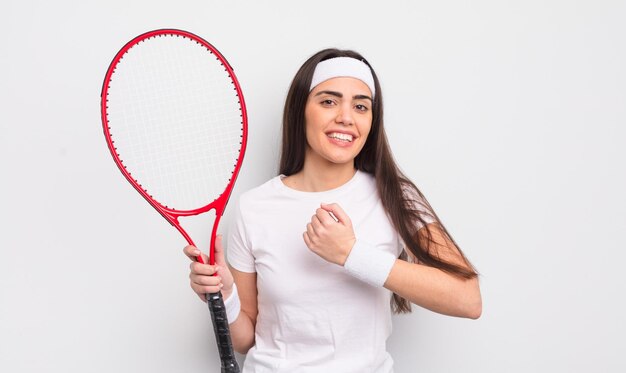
(340, 136)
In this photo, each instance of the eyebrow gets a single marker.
(340, 95)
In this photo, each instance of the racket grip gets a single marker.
(222, 333)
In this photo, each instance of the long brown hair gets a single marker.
(405, 205)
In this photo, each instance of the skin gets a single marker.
(339, 105)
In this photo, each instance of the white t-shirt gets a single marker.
(313, 315)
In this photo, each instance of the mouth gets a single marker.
(341, 136)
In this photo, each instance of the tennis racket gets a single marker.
(175, 121)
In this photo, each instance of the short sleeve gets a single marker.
(239, 249)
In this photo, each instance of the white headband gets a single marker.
(343, 67)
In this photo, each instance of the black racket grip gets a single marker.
(222, 333)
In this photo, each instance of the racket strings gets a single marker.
(176, 120)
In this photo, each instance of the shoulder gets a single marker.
(259, 195)
(258, 191)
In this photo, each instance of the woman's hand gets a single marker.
(330, 236)
(205, 278)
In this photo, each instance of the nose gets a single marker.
(344, 115)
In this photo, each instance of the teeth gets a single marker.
(340, 136)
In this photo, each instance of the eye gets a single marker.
(328, 102)
(361, 108)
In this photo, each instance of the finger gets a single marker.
(203, 289)
(203, 256)
(191, 252)
(204, 280)
(325, 217)
(219, 251)
(202, 269)
(336, 210)
(307, 241)
(316, 224)
(311, 232)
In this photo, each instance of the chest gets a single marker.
(288, 271)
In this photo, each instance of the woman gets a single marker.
(317, 253)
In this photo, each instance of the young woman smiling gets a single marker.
(321, 254)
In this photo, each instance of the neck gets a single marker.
(315, 177)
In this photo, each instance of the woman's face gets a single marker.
(338, 117)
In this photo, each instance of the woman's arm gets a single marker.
(203, 281)
(242, 329)
(433, 288)
(425, 286)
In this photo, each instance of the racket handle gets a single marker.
(222, 333)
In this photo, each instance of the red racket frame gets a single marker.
(172, 215)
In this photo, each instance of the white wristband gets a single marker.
(369, 264)
(232, 305)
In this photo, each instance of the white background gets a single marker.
(508, 115)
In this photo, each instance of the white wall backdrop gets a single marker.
(508, 115)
